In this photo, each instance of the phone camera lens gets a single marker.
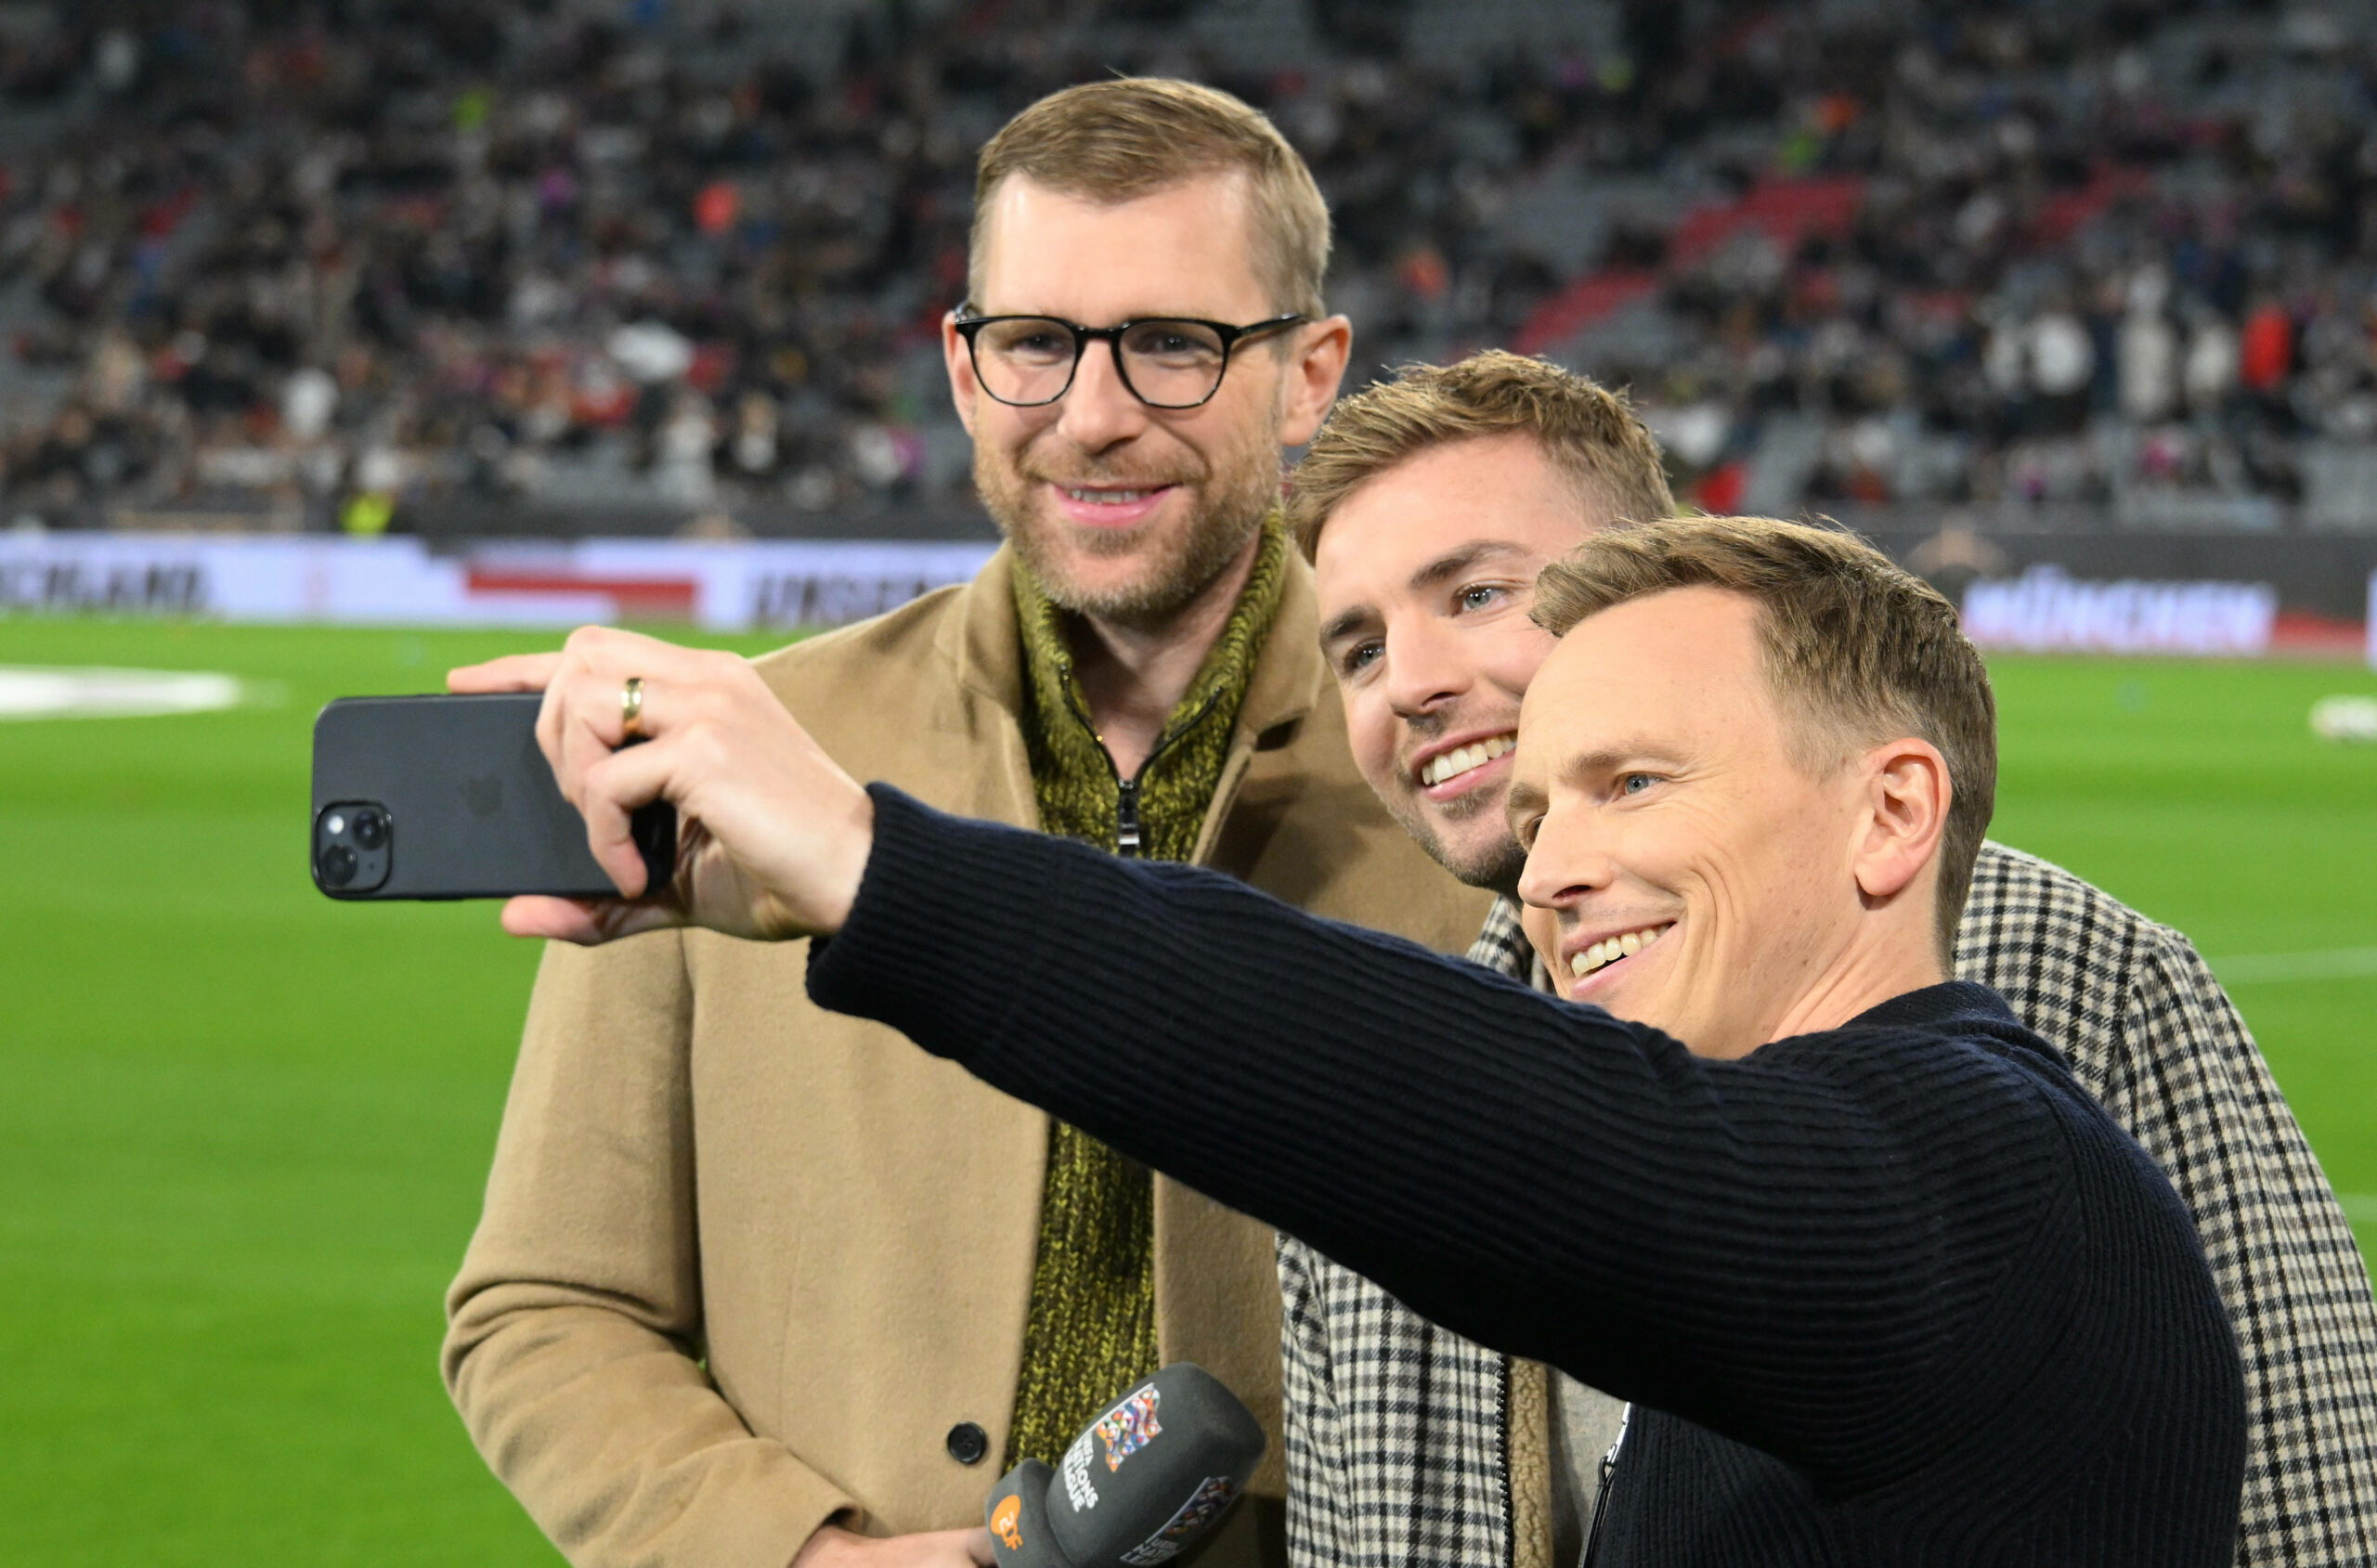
(339, 865)
(371, 829)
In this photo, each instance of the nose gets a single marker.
(1424, 666)
(1098, 410)
(1565, 862)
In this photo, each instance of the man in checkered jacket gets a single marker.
(1427, 505)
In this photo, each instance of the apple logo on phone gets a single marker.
(483, 797)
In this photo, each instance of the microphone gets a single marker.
(1140, 1483)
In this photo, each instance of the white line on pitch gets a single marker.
(2335, 964)
(2360, 1208)
(44, 692)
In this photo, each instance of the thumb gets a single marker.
(587, 922)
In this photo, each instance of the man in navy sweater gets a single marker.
(1884, 1284)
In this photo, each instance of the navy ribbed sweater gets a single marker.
(1899, 1292)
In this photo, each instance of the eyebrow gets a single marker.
(1524, 797)
(1460, 559)
(1443, 568)
(1610, 758)
(1346, 623)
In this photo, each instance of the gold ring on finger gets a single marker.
(632, 708)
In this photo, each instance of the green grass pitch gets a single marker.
(244, 1129)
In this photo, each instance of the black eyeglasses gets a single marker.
(1166, 362)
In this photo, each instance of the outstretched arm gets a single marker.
(1778, 1248)
(1785, 1248)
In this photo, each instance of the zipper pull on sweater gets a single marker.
(1127, 816)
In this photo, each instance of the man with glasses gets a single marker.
(762, 1284)
(1030, 362)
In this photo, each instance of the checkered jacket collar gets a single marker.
(1502, 946)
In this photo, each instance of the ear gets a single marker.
(963, 388)
(1906, 793)
(1314, 368)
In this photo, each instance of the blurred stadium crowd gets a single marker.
(356, 263)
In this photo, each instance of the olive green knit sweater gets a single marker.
(1092, 1325)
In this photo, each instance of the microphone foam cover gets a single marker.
(1154, 1473)
(1017, 1513)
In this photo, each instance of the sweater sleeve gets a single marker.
(1783, 1248)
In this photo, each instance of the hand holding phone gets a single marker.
(772, 834)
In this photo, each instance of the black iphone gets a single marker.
(449, 798)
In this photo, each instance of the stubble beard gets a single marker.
(1495, 867)
(1228, 499)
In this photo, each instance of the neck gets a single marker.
(1134, 674)
(1868, 973)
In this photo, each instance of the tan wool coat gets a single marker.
(745, 1264)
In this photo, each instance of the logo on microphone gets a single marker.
(1075, 1469)
(1006, 1521)
(1205, 1506)
(1129, 1427)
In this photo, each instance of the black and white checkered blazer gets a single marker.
(1399, 1434)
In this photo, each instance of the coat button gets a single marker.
(969, 1443)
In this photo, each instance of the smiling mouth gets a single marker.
(1602, 954)
(1113, 498)
(1461, 760)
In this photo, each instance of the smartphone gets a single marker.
(450, 798)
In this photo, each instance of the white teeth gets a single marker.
(1109, 497)
(1611, 949)
(1462, 759)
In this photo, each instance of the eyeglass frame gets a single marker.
(967, 327)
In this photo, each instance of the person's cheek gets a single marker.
(1542, 928)
(1372, 732)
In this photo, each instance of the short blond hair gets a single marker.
(1858, 649)
(1586, 431)
(1111, 142)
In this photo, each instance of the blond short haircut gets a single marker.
(1858, 650)
(1111, 142)
(1588, 432)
